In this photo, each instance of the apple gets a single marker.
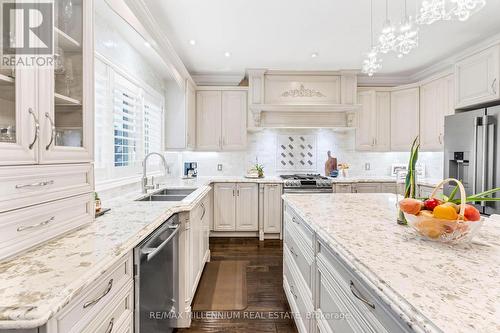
(430, 204)
(471, 213)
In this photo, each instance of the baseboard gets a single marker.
(234, 234)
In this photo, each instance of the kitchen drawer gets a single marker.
(342, 188)
(24, 228)
(24, 186)
(356, 295)
(116, 315)
(303, 259)
(335, 312)
(299, 303)
(95, 299)
(388, 188)
(302, 229)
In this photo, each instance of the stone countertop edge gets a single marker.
(409, 314)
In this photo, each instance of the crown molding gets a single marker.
(218, 79)
(163, 45)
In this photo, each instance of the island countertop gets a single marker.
(436, 287)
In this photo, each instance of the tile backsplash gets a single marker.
(263, 146)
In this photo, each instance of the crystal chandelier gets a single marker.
(387, 38)
(372, 63)
(445, 10)
(407, 38)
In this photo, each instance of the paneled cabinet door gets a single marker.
(19, 117)
(225, 207)
(191, 115)
(208, 120)
(404, 118)
(66, 89)
(234, 120)
(272, 208)
(365, 130)
(247, 207)
(477, 78)
(382, 121)
(436, 102)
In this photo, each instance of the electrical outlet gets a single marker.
(367, 166)
(219, 167)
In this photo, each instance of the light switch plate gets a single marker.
(367, 167)
(219, 167)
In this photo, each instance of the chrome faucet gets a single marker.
(145, 186)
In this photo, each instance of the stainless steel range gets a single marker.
(306, 183)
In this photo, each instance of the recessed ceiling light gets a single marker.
(227, 54)
(147, 44)
(192, 42)
(314, 55)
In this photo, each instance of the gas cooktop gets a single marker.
(312, 183)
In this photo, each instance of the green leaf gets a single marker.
(485, 193)
(476, 199)
(452, 194)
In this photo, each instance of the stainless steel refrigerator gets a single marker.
(472, 152)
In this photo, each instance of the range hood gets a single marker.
(291, 99)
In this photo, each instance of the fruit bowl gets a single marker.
(443, 222)
(446, 231)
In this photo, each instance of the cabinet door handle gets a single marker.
(355, 292)
(292, 290)
(238, 192)
(204, 210)
(493, 86)
(293, 252)
(440, 138)
(110, 325)
(40, 184)
(52, 131)
(233, 193)
(37, 127)
(97, 299)
(41, 224)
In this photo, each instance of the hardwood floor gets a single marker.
(268, 310)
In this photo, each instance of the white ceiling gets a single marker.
(282, 34)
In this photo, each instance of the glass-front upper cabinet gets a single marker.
(46, 111)
(66, 87)
(19, 126)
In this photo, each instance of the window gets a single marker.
(153, 115)
(129, 122)
(126, 122)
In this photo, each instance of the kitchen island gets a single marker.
(423, 286)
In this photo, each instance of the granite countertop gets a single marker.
(433, 286)
(38, 283)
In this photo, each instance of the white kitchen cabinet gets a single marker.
(180, 116)
(191, 115)
(236, 207)
(221, 120)
(47, 113)
(404, 118)
(234, 120)
(208, 120)
(247, 207)
(224, 207)
(477, 78)
(271, 208)
(373, 121)
(436, 102)
(388, 188)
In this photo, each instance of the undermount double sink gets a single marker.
(168, 195)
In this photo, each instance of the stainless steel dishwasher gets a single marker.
(156, 279)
